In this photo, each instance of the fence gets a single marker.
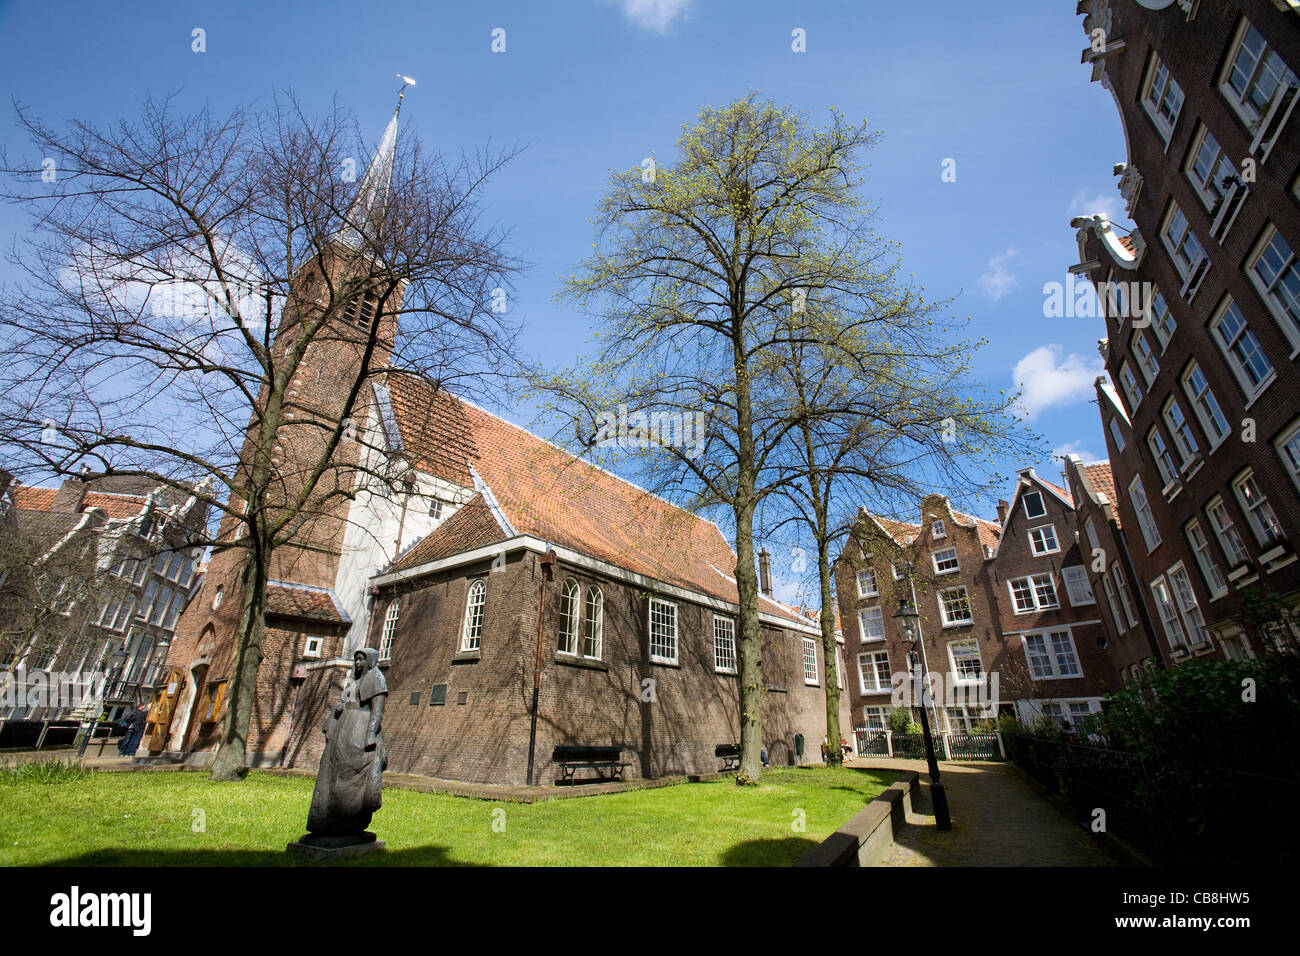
(1174, 813)
(881, 743)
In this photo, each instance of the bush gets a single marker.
(44, 771)
(900, 722)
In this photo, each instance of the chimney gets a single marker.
(1003, 505)
(765, 572)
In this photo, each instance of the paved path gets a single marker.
(998, 819)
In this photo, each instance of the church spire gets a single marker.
(368, 204)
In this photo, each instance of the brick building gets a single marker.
(1202, 301)
(637, 623)
(122, 551)
(1009, 599)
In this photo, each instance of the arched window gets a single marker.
(390, 628)
(471, 637)
(593, 644)
(570, 614)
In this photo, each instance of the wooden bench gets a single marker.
(571, 759)
(729, 754)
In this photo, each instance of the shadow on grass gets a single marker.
(781, 852)
(416, 856)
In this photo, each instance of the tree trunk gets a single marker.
(231, 761)
(834, 755)
(750, 651)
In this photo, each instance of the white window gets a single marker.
(867, 583)
(313, 647)
(1146, 520)
(1161, 97)
(1042, 540)
(1121, 586)
(965, 658)
(1117, 434)
(1206, 405)
(1214, 580)
(809, 661)
(593, 640)
(390, 630)
(1035, 592)
(937, 530)
(1288, 449)
(898, 572)
(1168, 613)
(216, 598)
(873, 718)
(1276, 274)
(1051, 654)
(1259, 513)
(1146, 358)
(1162, 319)
(871, 623)
(1184, 440)
(471, 636)
(1254, 76)
(945, 561)
(173, 612)
(954, 605)
(1033, 502)
(1077, 587)
(1132, 390)
(1210, 169)
(1111, 599)
(1160, 452)
(1225, 529)
(1193, 620)
(724, 645)
(1090, 531)
(1180, 242)
(1241, 349)
(663, 631)
(435, 509)
(873, 672)
(570, 615)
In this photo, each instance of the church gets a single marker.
(505, 564)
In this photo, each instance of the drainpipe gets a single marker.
(547, 562)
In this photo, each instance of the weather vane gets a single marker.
(406, 81)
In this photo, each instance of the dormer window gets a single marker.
(1034, 507)
(937, 530)
(435, 509)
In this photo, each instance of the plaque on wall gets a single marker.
(415, 698)
(462, 697)
(438, 695)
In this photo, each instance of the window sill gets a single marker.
(584, 663)
(464, 657)
(664, 662)
(730, 672)
(959, 624)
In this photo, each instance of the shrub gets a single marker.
(44, 771)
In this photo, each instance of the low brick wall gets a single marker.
(868, 837)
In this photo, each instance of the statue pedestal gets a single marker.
(326, 848)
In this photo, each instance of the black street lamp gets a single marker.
(909, 625)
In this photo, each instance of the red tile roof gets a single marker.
(301, 601)
(33, 498)
(1098, 476)
(469, 527)
(116, 506)
(546, 492)
(1063, 492)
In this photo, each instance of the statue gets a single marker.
(348, 782)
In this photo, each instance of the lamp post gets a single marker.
(908, 622)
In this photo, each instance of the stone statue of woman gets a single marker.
(348, 782)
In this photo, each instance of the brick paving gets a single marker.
(998, 819)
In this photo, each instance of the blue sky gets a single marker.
(591, 85)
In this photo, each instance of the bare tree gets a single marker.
(206, 299)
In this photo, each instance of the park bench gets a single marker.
(729, 754)
(600, 759)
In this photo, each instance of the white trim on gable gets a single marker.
(498, 514)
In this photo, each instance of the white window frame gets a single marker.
(1162, 321)
(724, 645)
(1160, 455)
(570, 617)
(1162, 596)
(956, 562)
(1180, 582)
(1158, 74)
(1242, 102)
(1133, 391)
(1287, 445)
(1225, 529)
(313, 646)
(811, 675)
(957, 676)
(1215, 583)
(1116, 614)
(1186, 252)
(1145, 516)
(1208, 189)
(668, 609)
(874, 589)
(1241, 349)
(949, 621)
(471, 634)
(1126, 596)
(1075, 579)
(389, 631)
(1042, 505)
(865, 613)
(1260, 516)
(593, 625)
(938, 529)
(1116, 434)
(1056, 669)
(1034, 584)
(1145, 356)
(874, 661)
(1045, 549)
(1180, 430)
(1286, 310)
(1206, 406)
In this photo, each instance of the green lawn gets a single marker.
(150, 819)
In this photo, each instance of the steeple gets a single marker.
(373, 193)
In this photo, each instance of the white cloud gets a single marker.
(997, 281)
(1072, 448)
(1046, 380)
(656, 15)
(1081, 204)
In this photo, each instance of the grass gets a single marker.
(180, 819)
